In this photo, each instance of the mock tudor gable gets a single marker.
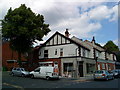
(59, 43)
(60, 39)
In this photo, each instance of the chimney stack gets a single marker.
(67, 33)
(93, 40)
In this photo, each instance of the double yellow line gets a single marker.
(15, 86)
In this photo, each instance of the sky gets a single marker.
(83, 18)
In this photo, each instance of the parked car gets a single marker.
(116, 73)
(46, 72)
(103, 75)
(19, 72)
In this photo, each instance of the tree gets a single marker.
(22, 27)
(110, 46)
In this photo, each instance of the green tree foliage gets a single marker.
(110, 46)
(22, 27)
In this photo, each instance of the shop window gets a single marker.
(98, 66)
(90, 68)
(68, 67)
(109, 67)
(103, 66)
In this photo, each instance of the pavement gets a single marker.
(80, 79)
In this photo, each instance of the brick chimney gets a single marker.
(67, 33)
(93, 40)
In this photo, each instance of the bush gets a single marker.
(4, 68)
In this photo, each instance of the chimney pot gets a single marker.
(93, 40)
(67, 33)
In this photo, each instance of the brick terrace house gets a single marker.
(10, 57)
(74, 56)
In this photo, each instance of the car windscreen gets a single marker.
(98, 72)
(22, 69)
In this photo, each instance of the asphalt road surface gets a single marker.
(9, 81)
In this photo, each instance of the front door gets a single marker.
(37, 72)
(80, 69)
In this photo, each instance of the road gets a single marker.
(20, 82)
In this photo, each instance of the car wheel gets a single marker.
(12, 74)
(48, 78)
(112, 77)
(107, 78)
(58, 78)
(23, 75)
(32, 76)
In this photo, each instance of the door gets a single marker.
(80, 69)
(37, 72)
(18, 72)
(43, 72)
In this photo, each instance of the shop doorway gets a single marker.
(67, 69)
(80, 69)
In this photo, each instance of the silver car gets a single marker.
(116, 73)
(103, 75)
(19, 72)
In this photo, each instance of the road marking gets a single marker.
(15, 86)
(81, 81)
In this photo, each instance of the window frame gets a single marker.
(55, 51)
(61, 51)
(46, 54)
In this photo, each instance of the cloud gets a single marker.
(104, 12)
(77, 20)
(81, 17)
(116, 42)
(100, 13)
(115, 13)
(102, 44)
(37, 43)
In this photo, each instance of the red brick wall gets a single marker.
(106, 66)
(111, 66)
(8, 54)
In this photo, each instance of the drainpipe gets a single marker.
(96, 58)
(76, 72)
